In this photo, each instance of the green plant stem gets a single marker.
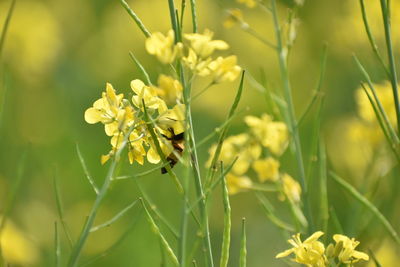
(197, 176)
(392, 66)
(5, 28)
(243, 249)
(291, 113)
(371, 207)
(77, 250)
(371, 37)
(137, 20)
(226, 239)
(194, 15)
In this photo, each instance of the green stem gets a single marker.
(77, 250)
(5, 27)
(194, 15)
(137, 20)
(291, 114)
(392, 66)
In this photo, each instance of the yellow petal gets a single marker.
(284, 253)
(93, 115)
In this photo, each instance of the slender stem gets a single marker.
(5, 27)
(73, 260)
(194, 15)
(137, 20)
(291, 114)
(392, 66)
(371, 37)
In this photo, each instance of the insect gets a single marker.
(178, 143)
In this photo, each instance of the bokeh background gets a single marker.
(58, 57)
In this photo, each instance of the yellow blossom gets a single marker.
(196, 64)
(146, 94)
(163, 47)
(241, 146)
(153, 155)
(224, 69)
(310, 252)
(235, 16)
(203, 45)
(16, 247)
(272, 134)
(237, 184)
(345, 251)
(172, 121)
(385, 95)
(106, 110)
(267, 169)
(291, 188)
(248, 3)
(169, 89)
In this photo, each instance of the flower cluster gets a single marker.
(124, 119)
(256, 150)
(312, 252)
(196, 53)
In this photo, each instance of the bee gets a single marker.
(178, 143)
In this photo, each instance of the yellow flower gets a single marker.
(166, 148)
(196, 64)
(224, 69)
(147, 94)
(310, 252)
(272, 134)
(385, 95)
(234, 16)
(169, 89)
(291, 188)
(172, 121)
(163, 47)
(267, 169)
(203, 45)
(248, 3)
(241, 146)
(345, 250)
(16, 248)
(237, 184)
(106, 110)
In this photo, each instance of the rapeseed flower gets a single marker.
(147, 94)
(240, 146)
(267, 169)
(271, 134)
(291, 188)
(224, 69)
(310, 252)
(344, 250)
(169, 89)
(203, 45)
(163, 47)
(196, 64)
(237, 184)
(106, 110)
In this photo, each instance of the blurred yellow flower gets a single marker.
(345, 251)
(272, 134)
(267, 169)
(203, 45)
(385, 95)
(234, 16)
(163, 47)
(169, 89)
(291, 188)
(241, 146)
(16, 248)
(248, 3)
(106, 110)
(310, 252)
(224, 69)
(237, 184)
